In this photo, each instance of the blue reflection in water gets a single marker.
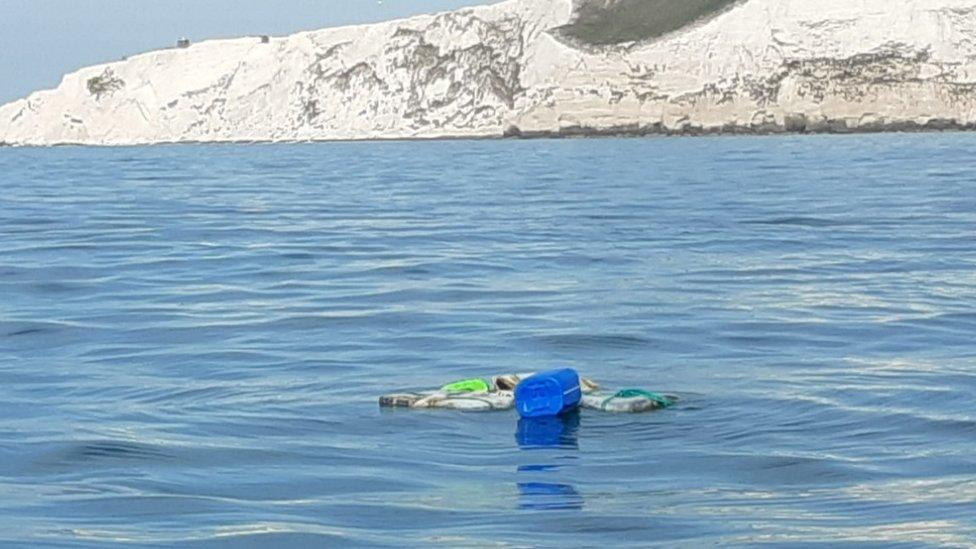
(549, 432)
(558, 437)
(547, 496)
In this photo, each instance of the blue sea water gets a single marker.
(193, 340)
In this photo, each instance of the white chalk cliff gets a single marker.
(505, 69)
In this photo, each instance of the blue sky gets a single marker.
(41, 40)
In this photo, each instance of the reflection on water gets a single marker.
(556, 439)
(548, 496)
(549, 432)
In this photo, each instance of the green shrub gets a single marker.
(105, 84)
(602, 22)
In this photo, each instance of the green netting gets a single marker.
(467, 386)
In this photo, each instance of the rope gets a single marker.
(660, 400)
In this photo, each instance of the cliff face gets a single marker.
(538, 67)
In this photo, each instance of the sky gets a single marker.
(41, 40)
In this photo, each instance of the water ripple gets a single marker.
(192, 340)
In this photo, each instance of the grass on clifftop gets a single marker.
(605, 22)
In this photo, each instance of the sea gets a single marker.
(194, 338)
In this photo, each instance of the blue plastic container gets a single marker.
(548, 394)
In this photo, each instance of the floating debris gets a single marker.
(498, 393)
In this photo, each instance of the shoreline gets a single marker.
(623, 132)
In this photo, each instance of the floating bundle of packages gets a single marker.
(547, 393)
